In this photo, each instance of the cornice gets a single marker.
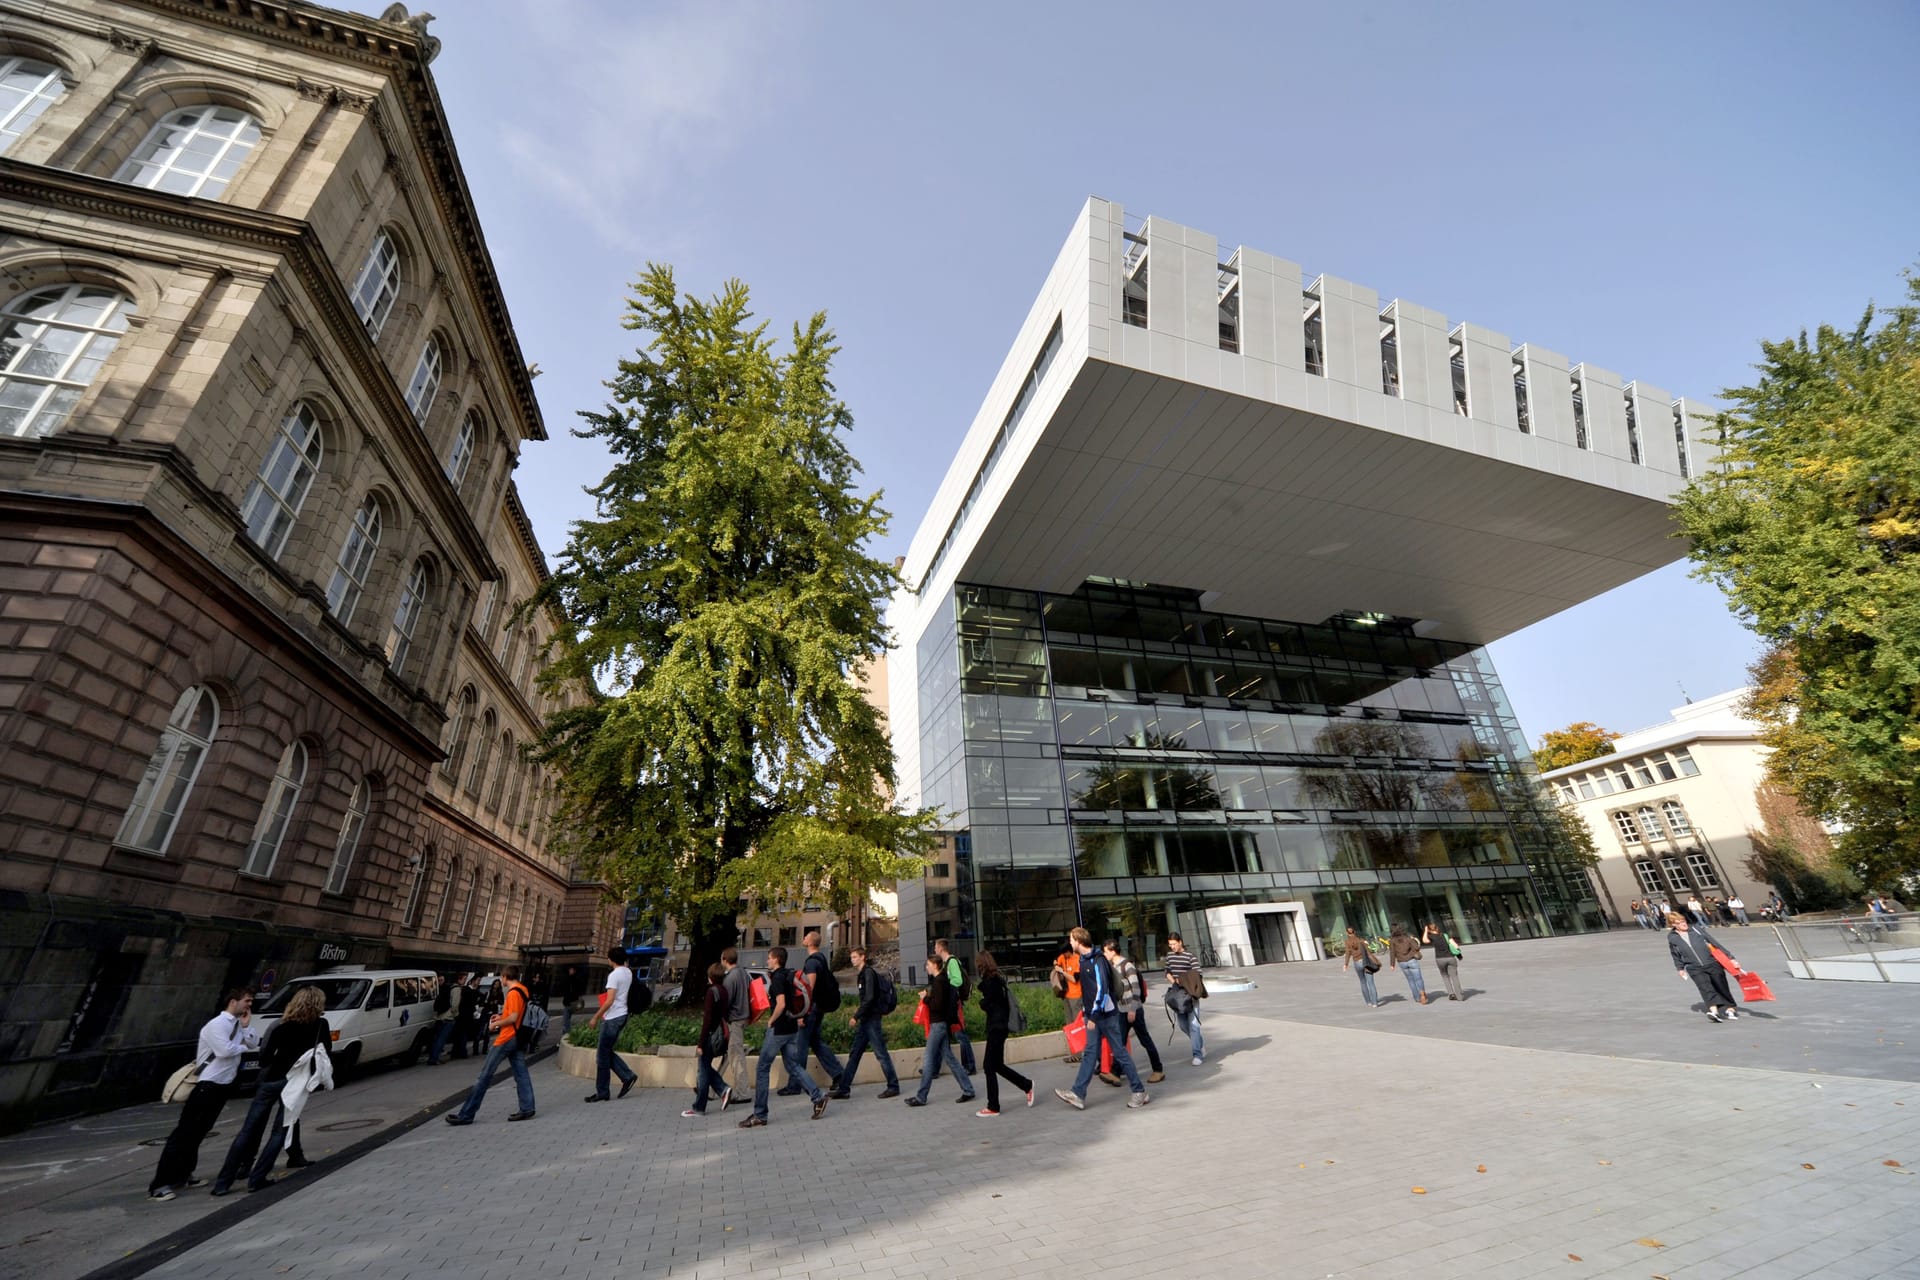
(297, 244)
(486, 836)
(394, 49)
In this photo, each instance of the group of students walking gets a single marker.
(1403, 950)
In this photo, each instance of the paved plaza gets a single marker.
(1488, 1138)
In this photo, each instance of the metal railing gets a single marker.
(1867, 948)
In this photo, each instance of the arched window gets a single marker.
(466, 908)
(417, 891)
(193, 152)
(27, 88)
(425, 382)
(349, 841)
(52, 343)
(171, 770)
(486, 915)
(277, 813)
(479, 773)
(378, 284)
(500, 777)
(445, 913)
(457, 730)
(462, 456)
(406, 615)
(274, 501)
(356, 559)
(1650, 823)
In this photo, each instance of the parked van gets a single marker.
(373, 1013)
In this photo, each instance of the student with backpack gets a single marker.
(957, 979)
(877, 999)
(788, 1005)
(943, 1016)
(823, 998)
(996, 1001)
(1131, 990)
(505, 1027)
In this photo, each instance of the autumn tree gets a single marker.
(1581, 740)
(723, 595)
(1811, 525)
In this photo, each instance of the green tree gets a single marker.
(724, 595)
(1581, 740)
(1811, 525)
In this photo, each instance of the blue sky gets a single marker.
(1652, 188)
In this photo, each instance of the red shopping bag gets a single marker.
(757, 999)
(1724, 960)
(1753, 987)
(1076, 1033)
(921, 1018)
(1106, 1055)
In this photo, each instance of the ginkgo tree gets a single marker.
(723, 600)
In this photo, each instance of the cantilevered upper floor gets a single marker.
(1296, 449)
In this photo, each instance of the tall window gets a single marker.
(171, 771)
(1676, 818)
(425, 382)
(486, 914)
(506, 767)
(406, 616)
(378, 284)
(277, 813)
(27, 88)
(417, 891)
(457, 731)
(441, 916)
(466, 908)
(1649, 876)
(478, 774)
(52, 343)
(193, 152)
(356, 559)
(1628, 832)
(1650, 823)
(1676, 874)
(1702, 871)
(462, 456)
(293, 460)
(349, 841)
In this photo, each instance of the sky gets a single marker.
(1653, 188)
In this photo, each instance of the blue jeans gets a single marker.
(606, 1060)
(1189, 1024)
(1416, 980)
(1108, 1027)
(705, 1081)
(522, 1082)
(441, 1035)
(1135, 1024)
(939, 1046)
(788, 1047)
(1367, 992)
(240, 1154)
(868, 1034)
(809, 1038)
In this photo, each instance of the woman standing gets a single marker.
(1357, 956)
(1693, 958)
(997, 1002)
(298, 1032)
(712, 1043)
(1404, 950)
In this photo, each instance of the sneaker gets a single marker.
(1072, 1099)
(966, 1097)
(986, 1113)
(1198, 1061)
(521, 1115)
(1029, 1097)
(1137, 1101)
(753, 1122)
(1155, 1077)
(160, 1193)
(451, 1119)
(891, 1091)
(690, 1113)
(1107, 1077)
(726, 1098)
(626, 1088)
(916, 1102)
(596, 1097)
(1713, 1016)
(820, 1107)
(1733, 1015)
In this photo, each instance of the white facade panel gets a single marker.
(1549, 394)
(1653, 418)
(1489, 376)
(1425, 377)
(1606, 410)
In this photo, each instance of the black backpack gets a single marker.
(885, 998)
(826, 988)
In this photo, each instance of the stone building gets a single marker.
(260, 404)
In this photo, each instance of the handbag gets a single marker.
(1370, 962)
(715, 1045)
(1076, 1033)
(758, 1002)
(1016, 1016)
(181, 1082)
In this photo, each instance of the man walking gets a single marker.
(823, 998)
(1102, 1012)
(783, 1042)
(1132, 996)
(466, 1026)
(1184, 986)
(446, 1012)
(506, 1046)
(957, 979)
(223, 1041)
(739, 988)
(867, 1032)
(611, 1018)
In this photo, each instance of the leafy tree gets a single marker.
(1581, 740)
(724, 594)
(1811, 526)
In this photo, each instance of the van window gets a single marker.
(341, 994)
(406, 991)
(378, 1000)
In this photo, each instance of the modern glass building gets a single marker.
(1295, 727)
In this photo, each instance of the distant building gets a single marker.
(1670, 810)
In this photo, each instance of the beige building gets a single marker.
(1672, 808)
(260, 405)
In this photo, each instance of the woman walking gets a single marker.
(1357, 956)
(997, 1002)
(713, 1042)
(1691, 947)
(298, 1033)
(1404, 950)
(1446, 958)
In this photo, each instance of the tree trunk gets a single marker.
(710, 938)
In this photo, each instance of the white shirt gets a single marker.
(619, 982)
(222, 1041)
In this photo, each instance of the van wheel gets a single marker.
(347, 1059)
(640, 999)
(418, 1047)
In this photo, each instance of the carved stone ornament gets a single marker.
(397, 14)
(127, 42)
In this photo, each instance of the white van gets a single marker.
(373, 1013)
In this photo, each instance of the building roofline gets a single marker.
(1675, 739)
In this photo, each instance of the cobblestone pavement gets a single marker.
(1298, 1150)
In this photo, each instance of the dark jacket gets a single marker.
(1095, 970)
(868, 983)
(469, 1003)
(941, 1006)
(1690, 952)
(994, 1002)
(1403, 947)
(287, 1041)
(713, 1011)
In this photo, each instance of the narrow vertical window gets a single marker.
(274, 501)
(417, 891)
(445, 912)
(462, 456)
(171, 772)
(458, 731)
(1229, 318)
(425, 383)
(378, 284)
(356, 560)
(1315, 332)
(349, 841)
(1522, 406)
(478, 774)
(1633, 431)
(406, 616)
(500, 777)
(1680, 451)
(1457, 364)
(1389, 352)
(1133, 289)
(193, 152)
(277, 813)
(27, 88)
(1579, 413)
(466, 907)
(52, 343)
